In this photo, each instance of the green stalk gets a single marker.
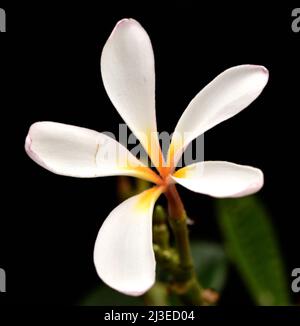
(186, 284)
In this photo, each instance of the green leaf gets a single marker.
(211, 264)
(105, 296)
(253, 248)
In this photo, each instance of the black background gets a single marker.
(50, 71)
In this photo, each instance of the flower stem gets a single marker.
(161, 236)
(186, 285)
(157, 295)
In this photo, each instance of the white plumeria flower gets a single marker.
(123, 254)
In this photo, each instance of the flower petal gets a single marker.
(228, 94)
(127, 67)
(123, 254)
(79, 152)
(220, 179)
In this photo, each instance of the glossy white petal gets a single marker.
(123, 253)
(220, 179)
(228, 94)
(127, 67)
(79, 152)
